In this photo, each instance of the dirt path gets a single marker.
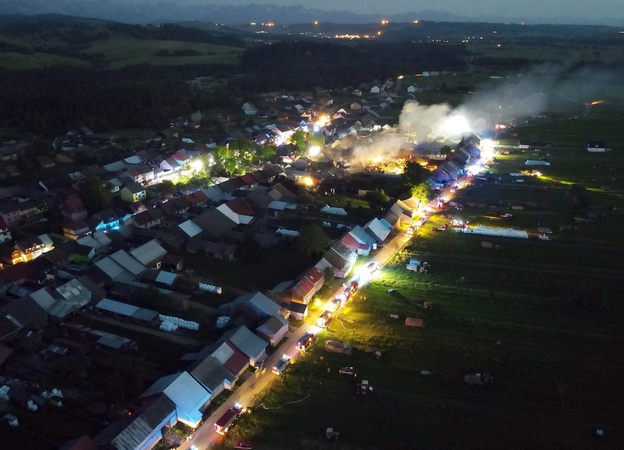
(182, 340)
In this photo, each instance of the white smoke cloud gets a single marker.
(543, 88)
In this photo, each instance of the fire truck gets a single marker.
(324, 319)
(228, 419)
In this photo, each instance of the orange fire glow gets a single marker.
(597, 102)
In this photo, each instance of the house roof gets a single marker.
(43, 298)
(378, 229)
(247, 342)
(258, 300)
(146, 421)
(274, 324)
(248, 179)
(126, 261)
(239, 206)
(298, 308)
(350, 242)
(232, 359)
(127, 310)
(149, 252)
(214, 223)
(259, 199)
(190, 228)
(210, 373)
(135, 188)
(75, 292)
(25, 311)
(184, 391)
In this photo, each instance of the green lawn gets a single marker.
(124, 51)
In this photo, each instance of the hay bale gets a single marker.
(414, 322)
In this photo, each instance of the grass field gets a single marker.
(19, 61)
(521, 315)
(124, 51)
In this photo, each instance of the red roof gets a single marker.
(180, 156)
(314, 275)
(248, 179)
(304, 286)
(237, 362)
(239, 207)
(350, 242)
(73, 204)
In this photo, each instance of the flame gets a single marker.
(377, 159)
(597, 102)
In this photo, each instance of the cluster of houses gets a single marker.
(455, 164)
(103, 262)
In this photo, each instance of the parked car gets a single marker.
(282, 365)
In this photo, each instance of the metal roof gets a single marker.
(210, 373)
(248, 343)
(148, 252)
(113, 270)
(74, 291)
(190, 228)
(166, 277)
(185, 392)
(126, 261)
(117, 307)
(43, 298)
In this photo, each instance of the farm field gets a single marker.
(545, 318)
(20, 61)
(123, 51)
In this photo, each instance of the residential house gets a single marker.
(298, 311)
(214, 223)
(339, 258)
(248, 343)
(30, 248)
(149, 254)
(151, 219)
(26, 313)
(46, 162)
(133, 193)
(73, 208)
(211, 374)
(105, 221)
(258, 305)
(143, 430)
(249, 109)
(302, 289)
(226, 354)
(10, 214)
(189, 397)
(378, 229)
(273, 330)
(5, 233)
(76, 229)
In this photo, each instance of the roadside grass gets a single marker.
(123, 51)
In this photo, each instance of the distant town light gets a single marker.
(415, 21)
(316, 22)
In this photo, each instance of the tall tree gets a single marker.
(96, 193)
(312, 240)
(414, 174)
(420, 192)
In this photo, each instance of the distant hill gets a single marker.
(31, 42)
(169, 11)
